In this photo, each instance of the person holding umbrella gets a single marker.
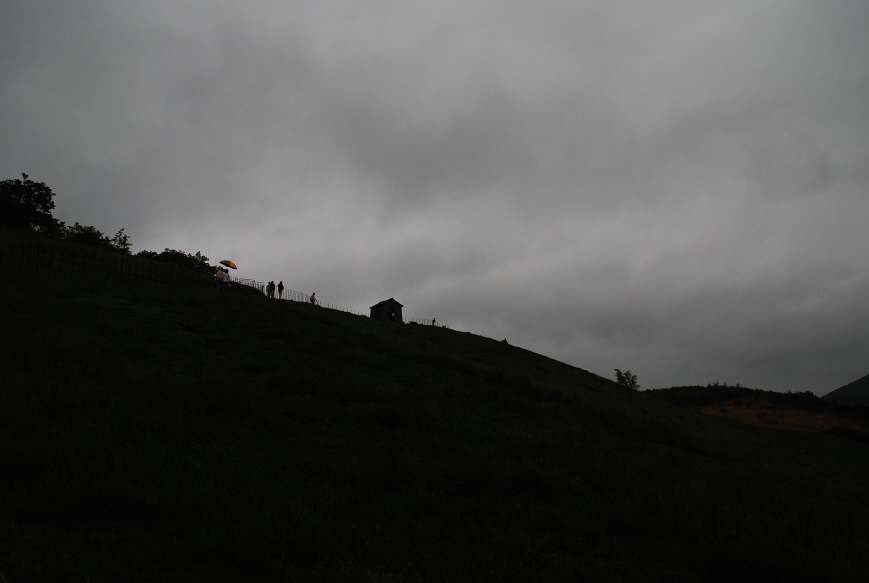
(226, 277)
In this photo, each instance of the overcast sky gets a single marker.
(678, 188)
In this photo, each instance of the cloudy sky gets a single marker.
(678, 188)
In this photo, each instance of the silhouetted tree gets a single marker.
(121, 242)
(86, 235)
(627, 380)
(196, 262)
(153, 255)
(26, 204)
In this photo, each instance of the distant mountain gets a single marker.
(856, 393)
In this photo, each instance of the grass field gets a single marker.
(155, 432)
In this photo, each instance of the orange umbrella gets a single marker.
(229, 263)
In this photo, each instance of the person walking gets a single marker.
(226, 280)
(218, 279)
(313, 299)
(281, 290)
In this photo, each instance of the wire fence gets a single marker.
(297, 296)
(62, 259)
(425, 322)
(292, 295)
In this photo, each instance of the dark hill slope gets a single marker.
(166, 433)
(854, 393)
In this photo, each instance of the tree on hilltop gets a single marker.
(627, 380)
(90, 235)
(196, 262)
(121, 242)
(86, 235)
(27, 204)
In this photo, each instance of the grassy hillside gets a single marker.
(855, 393)
(153, 432)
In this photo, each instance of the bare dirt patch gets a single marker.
(766, 413)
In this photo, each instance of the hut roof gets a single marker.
(390, 300)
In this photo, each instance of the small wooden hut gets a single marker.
(387, 310)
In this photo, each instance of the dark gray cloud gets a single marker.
(678, 188)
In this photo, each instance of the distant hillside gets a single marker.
(804, 412)
(855, 393)
(152, 431)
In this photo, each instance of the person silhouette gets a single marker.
(280, 290)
